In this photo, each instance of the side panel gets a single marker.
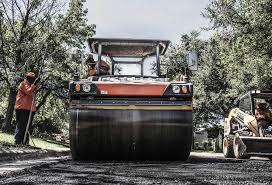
(131, 134)
(132, 89)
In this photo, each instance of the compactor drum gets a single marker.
(134, 112)
(248, 129)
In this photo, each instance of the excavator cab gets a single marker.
(248, 128)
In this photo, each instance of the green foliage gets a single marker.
(52, 117)
(7, 140)
(175, 58)
(236, 59)
(242, 58)
(39, 36)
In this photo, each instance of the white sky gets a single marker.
(151, 19)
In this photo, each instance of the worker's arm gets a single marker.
(27, 89)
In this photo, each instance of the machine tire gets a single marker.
(228, 146)
(237, 146)
(80, 155)
(125, 140)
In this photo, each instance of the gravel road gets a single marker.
(201, 169)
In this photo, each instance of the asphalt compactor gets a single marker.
(248, 129)
(134, 112)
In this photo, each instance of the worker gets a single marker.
(104, 67)
(24, 101)
(91, 65)
(263, 115)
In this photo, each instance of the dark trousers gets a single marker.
(22, 116)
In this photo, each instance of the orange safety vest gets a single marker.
(25, 95)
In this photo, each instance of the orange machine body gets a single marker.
(132, 88)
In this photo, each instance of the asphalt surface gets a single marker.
(201, 169)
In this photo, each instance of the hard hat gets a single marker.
(30, 74)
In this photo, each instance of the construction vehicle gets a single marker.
(248, 130)
(134, 112)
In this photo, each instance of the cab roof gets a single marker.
(258, 94)
(127, 47)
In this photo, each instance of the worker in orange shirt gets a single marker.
(104, 67)
(24, 101)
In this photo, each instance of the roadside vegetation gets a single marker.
(235, 59)
(39, 34)
(7, 141)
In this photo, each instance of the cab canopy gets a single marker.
(127, 47)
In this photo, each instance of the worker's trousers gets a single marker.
(22, 116)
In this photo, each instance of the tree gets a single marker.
(210, 84)
(236, 59)
(37, 35)
(175, 58)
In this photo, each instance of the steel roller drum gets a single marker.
(130, 134)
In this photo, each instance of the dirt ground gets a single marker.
(201, 169)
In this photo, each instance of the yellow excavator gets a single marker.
(248, 128)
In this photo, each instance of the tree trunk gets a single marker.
(7, 124)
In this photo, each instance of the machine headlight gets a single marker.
(176, 89)
(86, 88)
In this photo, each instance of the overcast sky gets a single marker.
(156, 19)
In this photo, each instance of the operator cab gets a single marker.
(128, 58)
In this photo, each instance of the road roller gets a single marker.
(127, 109)
(248, 127)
